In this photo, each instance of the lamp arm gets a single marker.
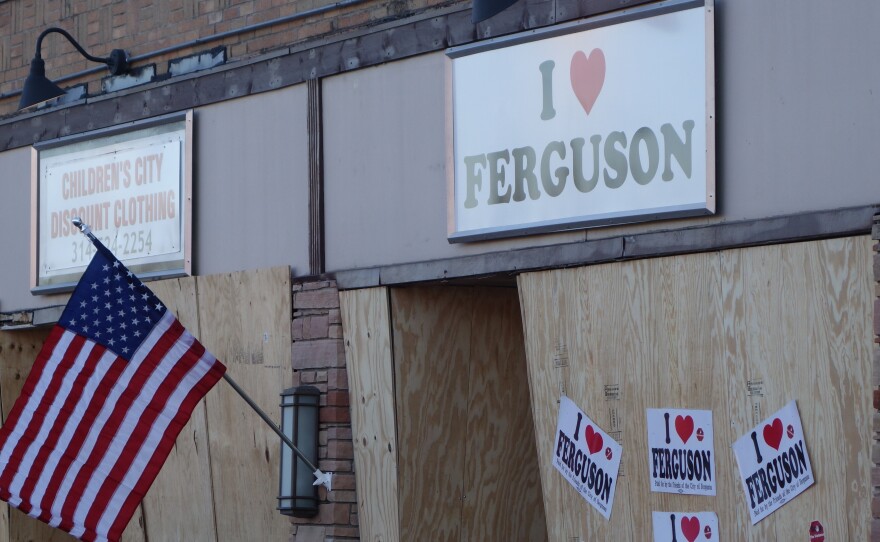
(117, 62)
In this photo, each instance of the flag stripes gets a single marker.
(91, 430)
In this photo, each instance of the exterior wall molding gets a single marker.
(704, 238)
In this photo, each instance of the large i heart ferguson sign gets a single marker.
(600, 122)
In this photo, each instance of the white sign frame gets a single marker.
(144, 214)
(486, 199)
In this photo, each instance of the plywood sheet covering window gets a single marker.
(368, 358)
(220, 480)
(467, 460)
(741, 333)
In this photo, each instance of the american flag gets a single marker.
(112, 387)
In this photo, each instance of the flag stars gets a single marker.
(82, 304)
(94, 286)
(105, 267)
(107, 305)
(106, 280)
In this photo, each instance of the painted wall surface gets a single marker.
(252, 183)
(250, 188)
(15, 221)
(796, 131)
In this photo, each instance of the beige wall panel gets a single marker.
(15, 218)
(502, 501)
(179, 505)
(245, 322)
(367, 332)
(252, 183)
(694, 332)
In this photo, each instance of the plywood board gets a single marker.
(368, 357)
(467, 461)
(179, 505)
(245, 321)
(432, 339)
(741, 333)
(801, 329)
(502, 500)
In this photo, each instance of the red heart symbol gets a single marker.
(594, 440)
(587, 77)
(690, 528)
(773, 433)
(684, 427)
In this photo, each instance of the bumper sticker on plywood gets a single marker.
(587, 456)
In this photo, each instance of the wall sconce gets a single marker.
(38, 89)
(299, 422)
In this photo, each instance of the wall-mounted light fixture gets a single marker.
(299, 421)
(38, 89)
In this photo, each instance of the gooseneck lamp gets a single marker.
(38, 89)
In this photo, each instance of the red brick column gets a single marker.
(875, 451)
(319, 360)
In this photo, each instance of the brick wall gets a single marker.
(875, 452)
(319, 360)
(143, 26)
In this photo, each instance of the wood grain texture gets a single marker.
(503, 500)
(245, 321)
(368, 357)
(432, 339)
(179, 506)
(693, 332)
(803, 327)
(468, 466)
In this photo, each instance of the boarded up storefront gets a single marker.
(739, 332)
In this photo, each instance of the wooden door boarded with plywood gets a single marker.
(740, 333)
(220, 478)
(466, 466)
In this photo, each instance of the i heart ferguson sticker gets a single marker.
(576, 454)
(587, 77)
(773, 462)
(685, 526)
(678, 462)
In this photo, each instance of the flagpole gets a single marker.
(323, 478)
(268, 420)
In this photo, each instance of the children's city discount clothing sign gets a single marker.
(611, 122)
(587, 456)
(681, 451)
(773, 462)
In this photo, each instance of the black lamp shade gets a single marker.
(37, 89)
(483, 9)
